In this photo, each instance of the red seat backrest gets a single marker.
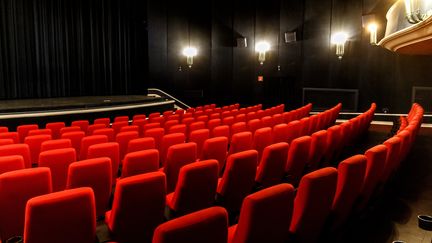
(58, 161)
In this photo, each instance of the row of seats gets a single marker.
(215, 163)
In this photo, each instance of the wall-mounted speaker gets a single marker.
(242, 42)
(290, 37)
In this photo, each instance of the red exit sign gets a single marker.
(260, 78)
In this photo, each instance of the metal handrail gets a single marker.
(163, 93)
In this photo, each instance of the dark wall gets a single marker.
(225, 73)
(55, 48)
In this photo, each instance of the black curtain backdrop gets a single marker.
(61, 48)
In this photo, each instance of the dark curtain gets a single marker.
(61, 48)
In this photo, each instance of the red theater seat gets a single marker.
(334, 143)
(140, 162)
(178, 156)
(117, 126)
(157, 134)
(238, 179)
(24, 129)
(96, 174)
(86, 142)
(16, 188)
(92, 128)
(139, 117)
(180, 128)
(221, 131)
(83, 124)
(58, 161)
(39, 132)
(104, 121)
(349, 184)
(69, 129)
(139, 144)
(213, 123)
(196, 187)
(34, 143)
(109, 132)
(215, 148)
(130, 128)
(46, 216)
(110, 150)
(262, 138)
(298, 155)
(265, 216)
(123, 139)
(6, 141)
(10, 135)
(75, 138)
(317, 150)
(254, 125)
(312, 204)
(271, 169)
(393, 145)
(168, 141)
(121, 119)
(208, 225)
(11, 163)
(133, 218)
(199, 137)
(238, 127)
(55, 144)
(4, 129)
(17, 149)
(170, 124)
(240, 142)
(196, 126)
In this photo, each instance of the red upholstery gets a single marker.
(69, 129)
(55, 128)
(199, 137)
(131, 128)
(154, 114)
(196, 187)
(313, 124)
(240, 142)
(221, 131)
(110, 150)
(298, 155)
(55, 144)
(46, 216)
(304, 126)
(178, 156)
(103, 121)
(160, 120)
(207, 225)
(334, 142)
(39, 132)
(376, 159)
(169, 124)
(123, 139)
(238, 127)
(24, 129)
(180, 128)
(228, 121)
(83, 124)
(265, 216)
(10, 135)
(349, 184)
(121, 119)
(251, 116)
(140, 162)
(117, 126)
(405, 135)
(133, 218)
(75, 138)
(58, 161)
(393, 156)
(17, 149)
(215, 148)
(213, 123)
(86, 142)
(34, 143)
(262, 138)
(16, 187)
(168, 141)
(271, 168)
(4, 129)
(317, 150)
(277, 119)
(96, 174)
(6, 141)
(240, 118)
(109, 132)
(267, 121)
(138, 144)
(196, 126)
(253, 125)
(11, 163)
(238, 179)
(139, 117)
(157, 134)
(312, 204)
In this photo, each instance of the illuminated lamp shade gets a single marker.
(339, 39)
(262, 47)
(373, 27)
(190, 53)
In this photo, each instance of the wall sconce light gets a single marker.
(339, 40)
(373, 27)
(189, 53)
(416, 10)
(262, 47)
